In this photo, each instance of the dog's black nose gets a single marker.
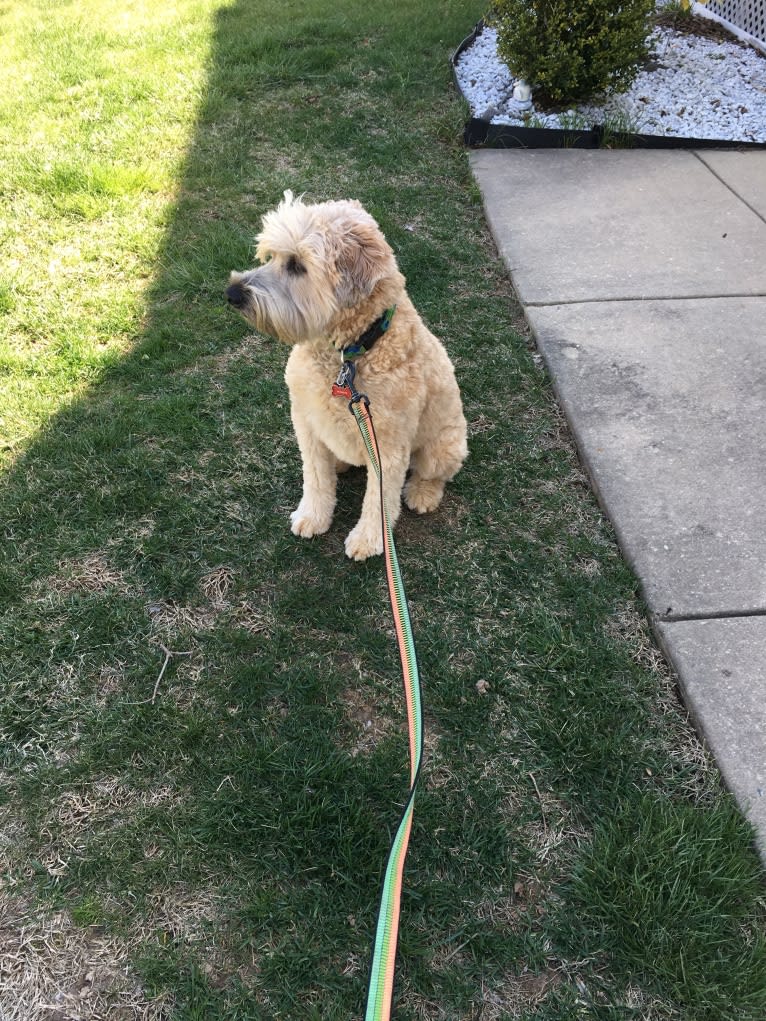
(235, 295)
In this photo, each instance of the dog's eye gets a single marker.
(293, 266)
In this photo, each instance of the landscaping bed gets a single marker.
(700, 89)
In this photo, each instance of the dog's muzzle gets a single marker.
(235, 295)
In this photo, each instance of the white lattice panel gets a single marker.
(747, 16)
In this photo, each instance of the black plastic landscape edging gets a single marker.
(478, 132)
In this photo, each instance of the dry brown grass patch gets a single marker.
(217, 584)
(217, 588)
(89, 575)
(170, 618)
(368, 724)
(630, 628)
(54, 970)
(515, 996)
(103, 804)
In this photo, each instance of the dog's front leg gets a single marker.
(366, 537)
(313, 515)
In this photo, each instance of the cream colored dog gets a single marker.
(327, 280)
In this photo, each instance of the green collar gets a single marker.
(365, 343)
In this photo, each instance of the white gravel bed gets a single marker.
(696, 88)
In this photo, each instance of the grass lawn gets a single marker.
(210, 847)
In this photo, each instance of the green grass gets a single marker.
(215, 852)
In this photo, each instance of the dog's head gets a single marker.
(316, 260)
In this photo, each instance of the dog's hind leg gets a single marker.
(432, 466)
(313, 515)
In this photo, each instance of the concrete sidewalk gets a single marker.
(643, 277)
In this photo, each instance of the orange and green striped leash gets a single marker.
(381, 983)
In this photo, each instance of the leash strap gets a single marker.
(381, 985)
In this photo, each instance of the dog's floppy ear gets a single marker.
(363, 258)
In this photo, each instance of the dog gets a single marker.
(329, 284)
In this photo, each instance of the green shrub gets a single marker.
(570, 51)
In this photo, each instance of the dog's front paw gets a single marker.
(363, 542)
(307, 523)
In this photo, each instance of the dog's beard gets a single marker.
(276, 318)
(289, 310)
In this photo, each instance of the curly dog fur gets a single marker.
(327, 274)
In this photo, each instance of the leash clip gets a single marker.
(344, 384)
